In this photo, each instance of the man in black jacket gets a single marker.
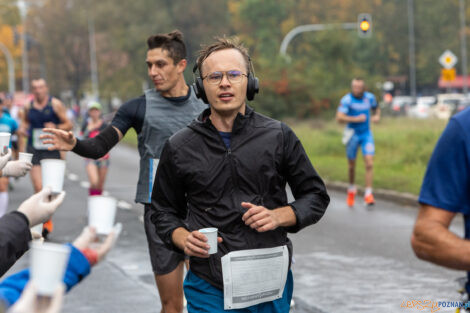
(228, 169)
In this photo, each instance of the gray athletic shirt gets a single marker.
(162, 119)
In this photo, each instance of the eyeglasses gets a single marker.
(233, 76)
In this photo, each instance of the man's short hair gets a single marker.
(358, 79)
(38, 79)
(222, 43)
(171, 42)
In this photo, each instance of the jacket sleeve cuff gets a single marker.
(305, 214)
(77, 268)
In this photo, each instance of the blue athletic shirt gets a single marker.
(353, 106)
(7, 124)
(446, 184)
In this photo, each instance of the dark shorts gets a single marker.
(39, 155)
(101, 163)
(163, 260)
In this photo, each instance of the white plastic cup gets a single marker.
(23, 156)
(211, 234)
(101, 213)
(4, 142)
(48, 264)
(53, 171)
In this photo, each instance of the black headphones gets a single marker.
(252, 87)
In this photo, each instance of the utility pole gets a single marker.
(411, 49)
(23, 8)
(93, 63)
(463, 47)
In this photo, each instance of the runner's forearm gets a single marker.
(97, 147)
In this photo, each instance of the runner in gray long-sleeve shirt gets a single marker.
(162, 111)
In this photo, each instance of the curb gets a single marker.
(403, 198)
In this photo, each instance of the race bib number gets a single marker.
(254, 276)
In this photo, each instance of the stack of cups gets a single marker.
(48, 265)
(4, 142)
(101, 213)
(53, 171)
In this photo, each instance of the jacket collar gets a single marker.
(204, 121)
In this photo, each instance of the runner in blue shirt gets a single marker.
(354, 109)
(445, 193)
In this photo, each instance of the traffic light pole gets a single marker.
(411, 49)
(310, 28)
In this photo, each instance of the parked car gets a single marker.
(462, 105)
(401, 104)
(446, 104)
(423, 107)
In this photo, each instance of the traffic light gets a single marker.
(364, 25)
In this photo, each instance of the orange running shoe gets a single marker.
(369, 199)
(350, 199)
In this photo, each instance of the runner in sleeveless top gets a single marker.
(155, 116)
(96, 169)
(42, 111)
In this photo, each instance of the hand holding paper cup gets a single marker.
(211, 234)
(101, 213)
(48, 264)
(53, 171)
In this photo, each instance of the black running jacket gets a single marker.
(200, 183)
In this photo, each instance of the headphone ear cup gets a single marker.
(252, 87)
(199, 90)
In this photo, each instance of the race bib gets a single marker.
(254, 276)
(37, 142)
(152, 172)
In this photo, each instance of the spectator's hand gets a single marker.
(361, 118)
(259, 218)
(375, 118)
(196, 245)
(38, 208)
(88, 241)
(60, 139)
(16, 168)
(29, 302)
(4, 159)
(50, 125)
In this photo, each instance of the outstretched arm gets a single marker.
(94, 148)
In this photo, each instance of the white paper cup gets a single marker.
(53, 171)
(4, 142)
(48, 264)
(101, 213)
(23, 156)
(37, 228)
(211, 234)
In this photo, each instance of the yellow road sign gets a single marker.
(448, 74)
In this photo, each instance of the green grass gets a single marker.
(130, 138)
(403, 148)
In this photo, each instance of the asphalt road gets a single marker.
(353, 260)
